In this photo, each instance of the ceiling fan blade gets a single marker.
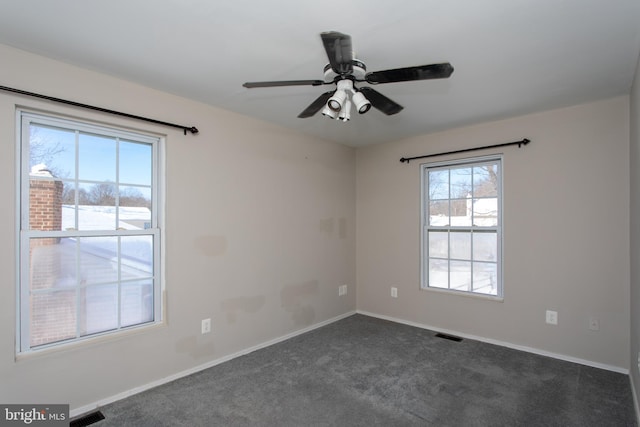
(284, 83)
(339, 51)
(421, 72)
(381, 102)
(316, 105)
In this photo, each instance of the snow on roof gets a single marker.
(484, 211)
(126, 212)
(485, 207)
(103, 217)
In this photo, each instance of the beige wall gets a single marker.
(634, 157)
(566, 233)
(260, 232)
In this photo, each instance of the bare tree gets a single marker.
(103, 194)
(133, 197)
(69, 196)
(488, 186)
(43, 149)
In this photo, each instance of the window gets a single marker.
(89, 233)
(461, 226)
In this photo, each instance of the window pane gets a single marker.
(438, 273)
(134, 212)
(485, 180)
(439, 185)
(52, 263)
(460, 245)
(101, 194)
(53, 149)
(460, 275)
(485, 212)
(460, 182)
(439, 213)
(53, 316)
(485, 278)
(460, 213)
(135, 163)
(136, 257)
(135, 196)
(98, 260)
(137, 302)
(97, 158)
(99, 309)
(439, 244)
(97, 217)
(485, 247)
(52, 302)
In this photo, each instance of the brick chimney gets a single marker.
(53, 315)
(45, 203)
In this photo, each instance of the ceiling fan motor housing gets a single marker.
(359, 70)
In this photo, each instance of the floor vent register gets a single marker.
(449, 337)
(87, 420)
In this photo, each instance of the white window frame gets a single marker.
(425, 226)
(23, 120)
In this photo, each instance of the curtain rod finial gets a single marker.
(525, 141)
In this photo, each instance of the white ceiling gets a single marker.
(510, 56)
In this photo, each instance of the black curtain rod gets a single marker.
(191, 129)
(525, 141)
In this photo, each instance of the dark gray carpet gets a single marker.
(363, 371)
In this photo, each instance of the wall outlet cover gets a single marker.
(206, 326)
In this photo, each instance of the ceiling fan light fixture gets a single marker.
(345, 112)
(337, 100)
(361, 102)
(328, 112)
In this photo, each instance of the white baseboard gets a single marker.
(93, 406)
(501, 343)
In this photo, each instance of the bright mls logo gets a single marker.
(34, 415)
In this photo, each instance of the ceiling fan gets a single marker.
(345, 71)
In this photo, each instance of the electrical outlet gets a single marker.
(394, 292)
(206, 326)
(552, 317)
(594, 324)
(342, 290)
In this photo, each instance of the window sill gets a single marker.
(87, 342)
(464, 294)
